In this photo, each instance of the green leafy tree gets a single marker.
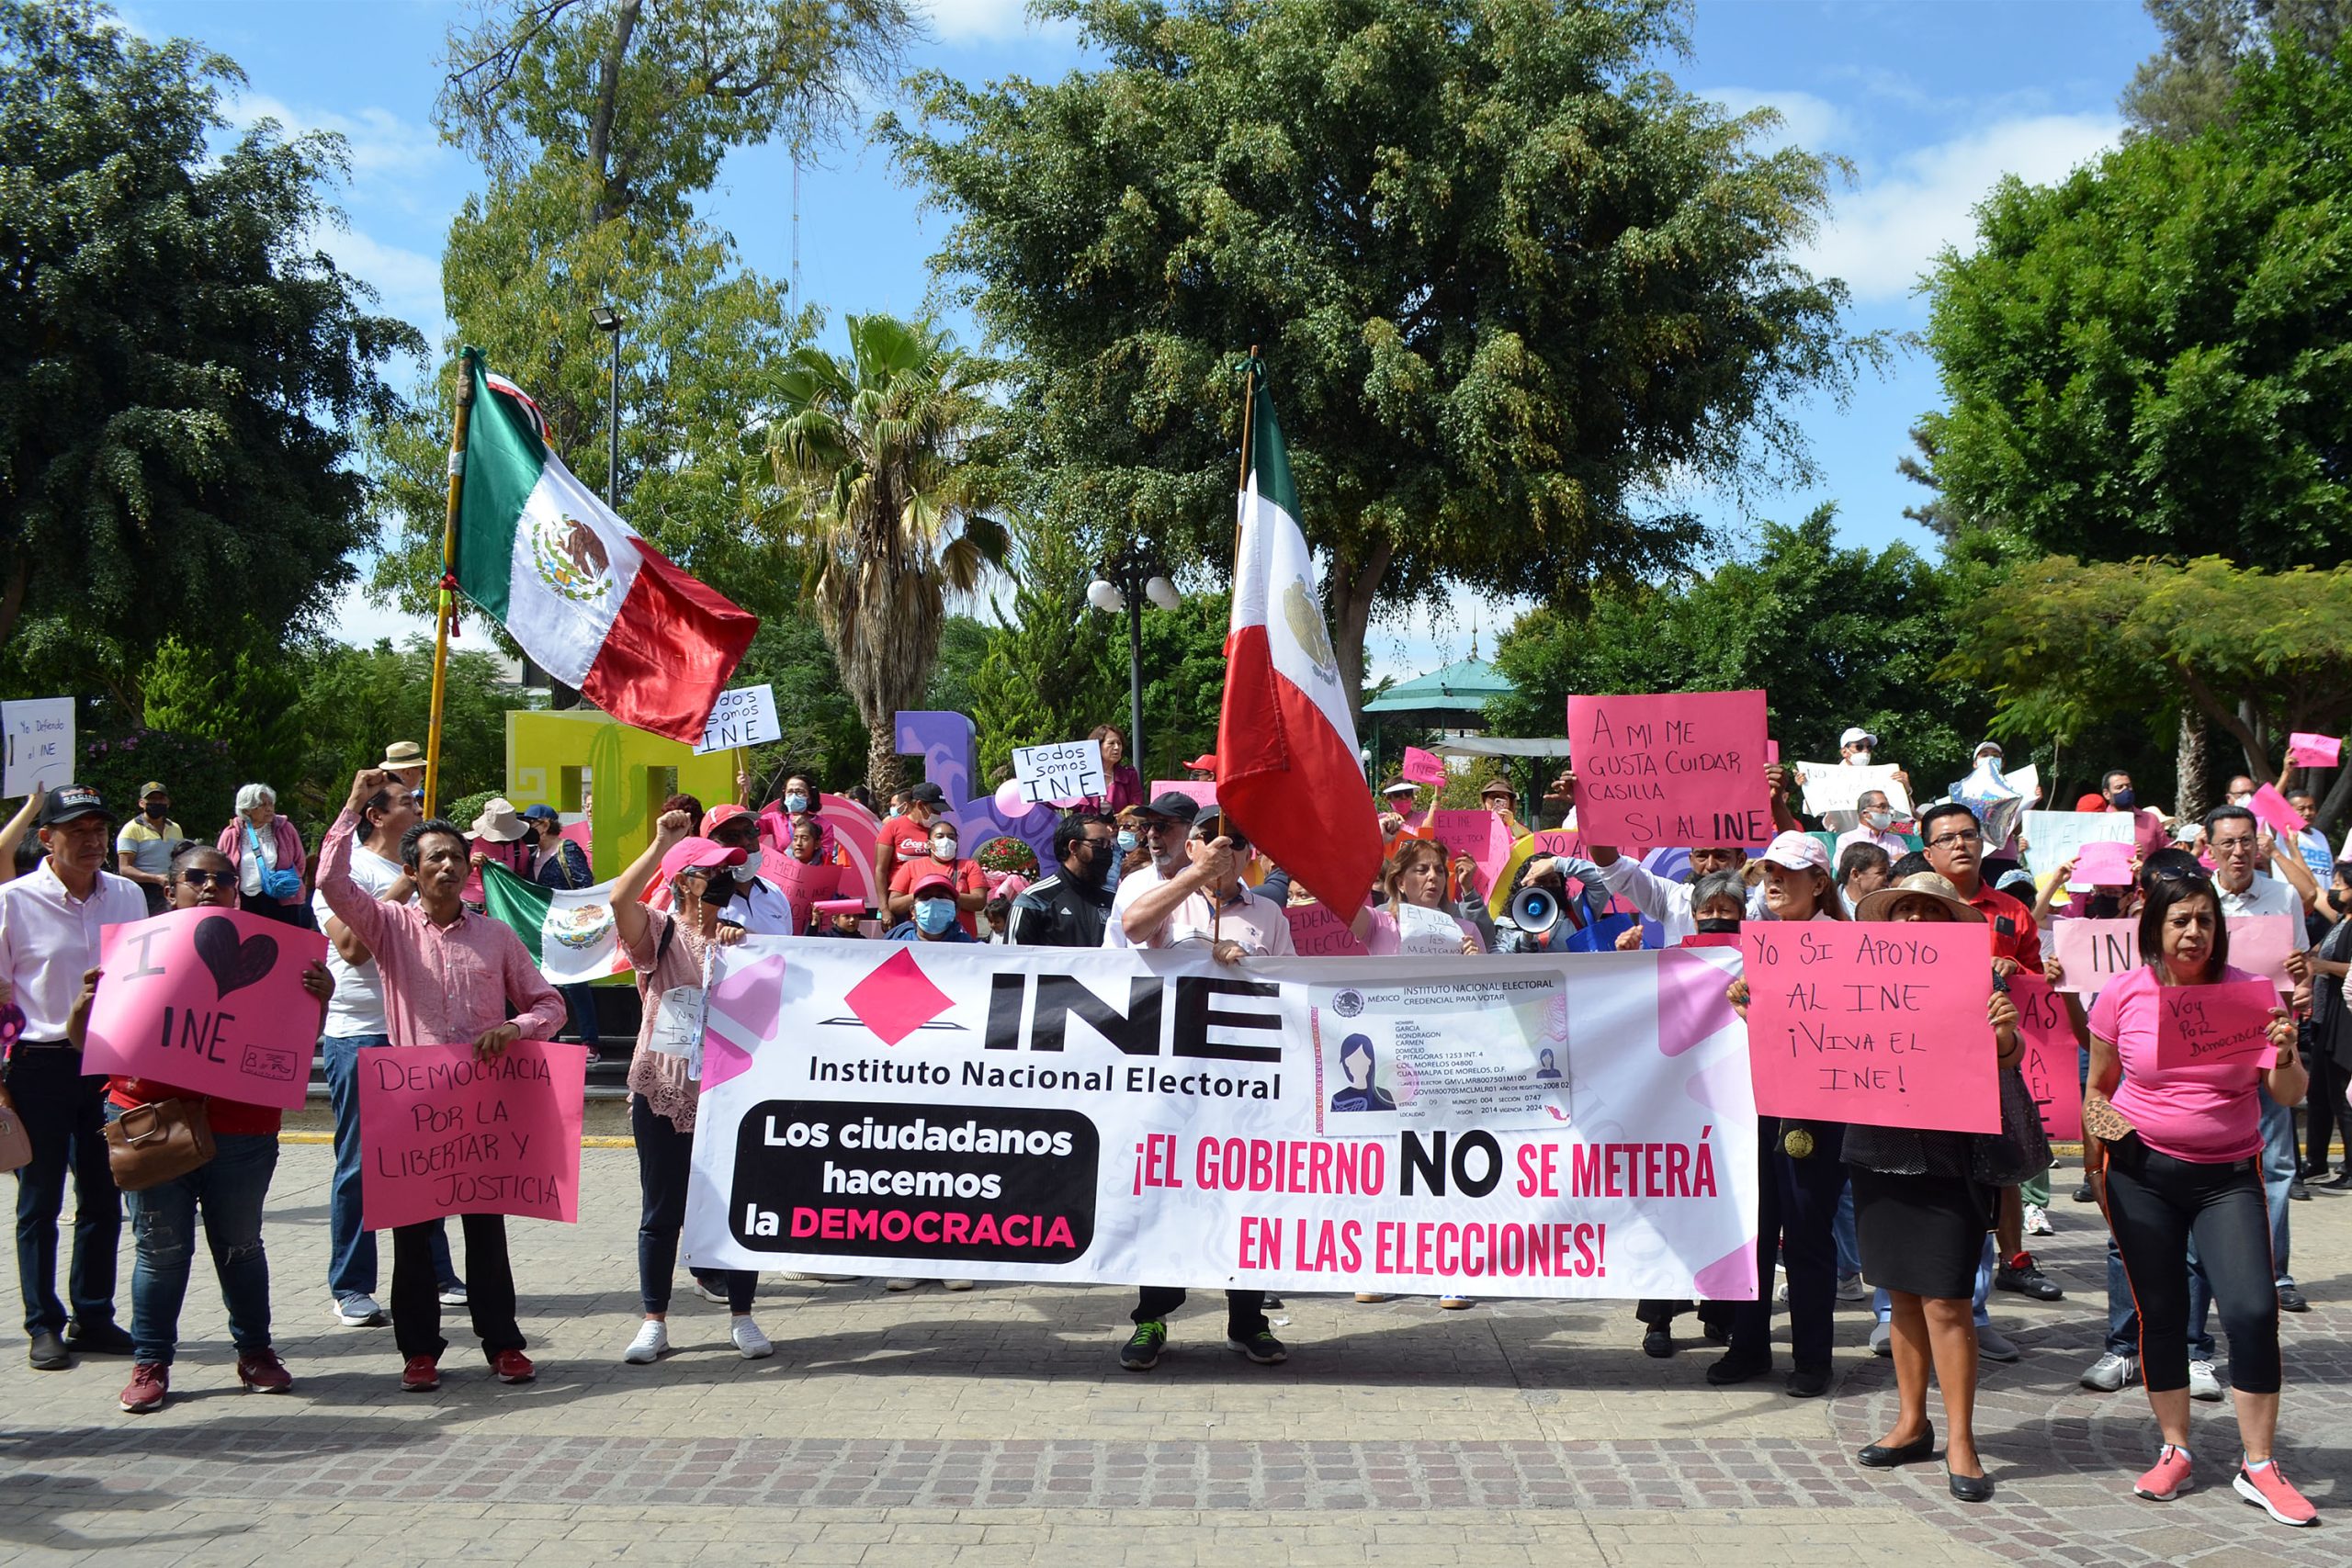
(881, 467)
(1052, 668)
(1834, 637)
(821, 732)
(2186, 85)
(1505, 276)
(180, 373)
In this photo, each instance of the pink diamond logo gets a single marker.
(897, 999)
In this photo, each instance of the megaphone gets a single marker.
(1534, 910)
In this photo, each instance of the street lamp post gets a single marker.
(609, 321)
(1128, 579)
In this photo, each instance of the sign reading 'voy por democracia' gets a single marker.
(1525, 1127)
(1679, 768)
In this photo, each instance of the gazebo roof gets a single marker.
(1463, 686)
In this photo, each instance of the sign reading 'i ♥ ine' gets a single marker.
(208, 1000)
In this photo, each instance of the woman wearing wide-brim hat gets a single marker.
(502, 836)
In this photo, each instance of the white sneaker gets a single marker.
(716, 1297)
(652, 1343)
(454, 1295)
(1882, 1339)
(958, 1284)
(752, 1344)
(2202, 1381)
(360, 1312)
(1851, 1289)
(901, 1285)
(2110, 1372)
(2037, 1221)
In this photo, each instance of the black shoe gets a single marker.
(2022, 1275)
(1141, 1352)
(1658, 1342)
(1262, 1348)
(1970, 1488)
(1736, 1368)
(2083, 1193)
(1718, 1333)
(2291, 1300)
(103, 1339)
(1880, 1456)
(1808, 1383)
(2337, 1184)
(2298, 1191)
(49, 1353)
(1273, 1302)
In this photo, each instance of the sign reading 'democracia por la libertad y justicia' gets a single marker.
(1522, 1126)
(444, 1132)
(1671, 768)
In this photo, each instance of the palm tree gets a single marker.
(881, 459)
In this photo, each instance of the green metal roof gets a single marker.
(1463, 686)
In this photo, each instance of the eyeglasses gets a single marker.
(1953, 841)
(209, 878)
(2234, 846)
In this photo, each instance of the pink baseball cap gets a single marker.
(726, 811)
(1798, 852)
(697, 855)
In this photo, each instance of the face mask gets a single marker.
(2122, 799)
(935, 914)
(1126, 841)
(1719, 928)
(159, 809)
(942, 849)
(1860, 759)
(1880, 821)
(796, 803)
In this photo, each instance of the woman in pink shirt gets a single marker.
(2188, 1168)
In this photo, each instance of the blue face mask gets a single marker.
(935, 914)
(1126, 841)
(2122, 799)
(796, 803)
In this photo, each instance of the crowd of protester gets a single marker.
(2194, 1169)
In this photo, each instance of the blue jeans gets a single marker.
(1849, 1250)
(2278, 1175)
(582, 1000)
(61, 1109)
(230, 1190)
(2123, 1317)
(351, 1249)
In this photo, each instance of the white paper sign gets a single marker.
(1840, 786)
(2053, 838)
(40, 745)
(1069, 770)
(744, 716)
(1426, 930)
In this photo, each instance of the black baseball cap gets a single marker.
(1174, 805)
(69, 804)
(928, 793)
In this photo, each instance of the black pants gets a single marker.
(1245, 1311)
(2157, 1205)
(1657, 1313)
(1796, 1211)
(490, 1289)
(2323, 1108)
(664, 1164)
(65, 1118)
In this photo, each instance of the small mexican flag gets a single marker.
(569, 930)
(597, 606)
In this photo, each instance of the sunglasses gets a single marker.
(209, 878)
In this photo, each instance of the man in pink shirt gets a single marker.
(449, 975)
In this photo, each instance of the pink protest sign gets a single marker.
(2270, 807)
(2205, 1026)
(1682, 768)
(2052, 1059)
(442, 1133)
(803, 885)
(1478, 834)
(1318, 933)
(2102, 863)
(1882, 1024)
(208, 1001)
(1422, 767)
(2314, 750)
(2259, 945)
(1200, 790)
(2090, 954)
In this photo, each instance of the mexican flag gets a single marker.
(597, 606)
(1287, 764)
(569, 930)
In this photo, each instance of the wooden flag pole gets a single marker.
(449, 594)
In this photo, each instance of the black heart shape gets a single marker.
(234, 965)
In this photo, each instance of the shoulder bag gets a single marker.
(150, 1144)
(277, 882)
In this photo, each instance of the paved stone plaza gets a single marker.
(996, 1427)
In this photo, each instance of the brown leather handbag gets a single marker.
(150, 1144)
(16, 1143)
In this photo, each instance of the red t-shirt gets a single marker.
(230, 1116)
(968, 877)
(910, 838)
(2014, 933)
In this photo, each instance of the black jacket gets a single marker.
(1058, 911)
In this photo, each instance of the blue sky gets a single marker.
(1931, 102)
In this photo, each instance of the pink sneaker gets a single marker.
(2170, 1477)
(2269, 1491)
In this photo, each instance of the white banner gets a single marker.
(1049, 776)
(1838, 786)
(40, 738)
(744, 716)
(2053, 838)
(1574, 1125)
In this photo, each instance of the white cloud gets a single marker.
(409, 281)
(1815, 124)
(381, 143)
(1883, 235)
(356, 619)
(959, 21)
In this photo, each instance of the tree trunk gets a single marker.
(1352, 584)
(885, 770)
(2190, 764)
(600, 123)
(2330, 806)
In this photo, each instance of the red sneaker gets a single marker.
(261, 1373)
(149, 1382)
(513, 1366)
(422, 1375)
(2267, 1490)
(2167, 1478)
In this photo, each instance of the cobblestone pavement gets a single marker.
(994, 1427)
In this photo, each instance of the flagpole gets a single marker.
(1242, 488)
(447, 609)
